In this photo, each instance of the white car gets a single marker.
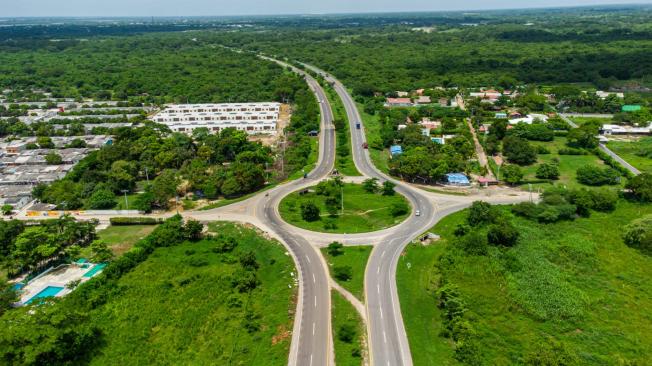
(418, 213)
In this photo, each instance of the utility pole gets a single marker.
(342, 198)
(176, 203)
(147, 175)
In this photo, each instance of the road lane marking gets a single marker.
(382, 254)
(378, 270)
(314, 280)
(308, 258)
(315, 300)
(384, 336)
(313, 328)
(378, 288)
(311, 359)
(381, 312)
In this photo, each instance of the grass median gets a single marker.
(347, 266)
(348, 331)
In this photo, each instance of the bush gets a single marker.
(343, 273)
(528, 210)
(399, 208)
(123, 221)
(481, 213)
(346, 333)
(503, 233)
(473, 243)
(335, 249)
(548, 171)
(638, 234)
(596, 176)
(572, 151)
(310, 211)
(511, 174)
(519, 151)
(641, 187)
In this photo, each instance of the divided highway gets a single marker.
(311, 338)
(387, 338)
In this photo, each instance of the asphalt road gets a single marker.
(312, 336)
(387, 338)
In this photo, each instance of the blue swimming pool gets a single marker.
(18, 286)
(97, 268)
(49, 291)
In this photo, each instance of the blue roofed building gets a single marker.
(457, 179)
(396, 150)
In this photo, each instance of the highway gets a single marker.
(312, 336)
(387, 338)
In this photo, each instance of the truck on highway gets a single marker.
(357, 125)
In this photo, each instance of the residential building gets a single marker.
(396, 150)
(254, 118)
(457, 179)
(604, 94)
(398, 102)
(424, 100)
(610, 129)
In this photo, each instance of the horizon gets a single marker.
(506, 6)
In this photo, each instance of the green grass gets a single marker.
(227, 201)
(121, 238)
(380, 158)
(312, 160)
(344, 314)
(355, 257)
(344, 164)
(573, 282)
(120, 199)
(179, 308)
(629, 150)
(584, 120)
(568, 164)
(363, 212)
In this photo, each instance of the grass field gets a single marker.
(180, 308)
(574, 283)
(363, 212)
(584, 120)
(355, 257)
(312, 160)
(121, 238)
(344, 315)
(122, 205)
(629, 150)
(380, 158)
(344, 164)
(568, 164)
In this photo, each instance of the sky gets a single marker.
(40, 8)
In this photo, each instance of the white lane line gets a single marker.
(313, 328)
(378, 270)
(308, 259)
(315, 300)
(311, 359)
(378, 288)
(381, 312)
(313, 278)
(382, 254)
(384, 336)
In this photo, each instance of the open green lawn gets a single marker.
(344, 164)
(380, 158)
(346, 322)
(629, 151)
(122, 205)
(355, 257)
(179, 307)
(573, 282)
(363, 212)
(121, 238)
(568, 164)
(584, 120)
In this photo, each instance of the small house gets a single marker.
(398, 102)
(424, 100)
(396, 150)
(501, 115)
(457, 179)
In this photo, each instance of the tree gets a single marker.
(343, 273)
(511, 173)
(481, 213)
(498, 129)
(502, 233)
(370, 185)
(8, 295)
(101, 251)
(583, 137)
(144, 201)
(595, 176)
(548, 171)
(388, 188)
(641, 187)
(7, 209)
(346, 333)
(638, 234)
(309, 211)
(399, 208)
(519, 151)
(335, 249)
(53, 158)
(102, 199)
(248, 261)
(45, 142)
(193, 230)
(165, 187)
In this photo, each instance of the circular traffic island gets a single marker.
(336, 207)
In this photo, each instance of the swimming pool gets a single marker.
(97, 268)
(49, 291)
(18, 286)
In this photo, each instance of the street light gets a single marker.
(126, 201)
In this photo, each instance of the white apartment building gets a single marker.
(254, 118)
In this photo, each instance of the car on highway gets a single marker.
(365, 145)
(417, 213)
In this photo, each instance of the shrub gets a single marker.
(596, 176)
(572, 151)
(511, 174)
(502, 233)
(519, 151)
(481, 213)
(399, 208)
(224, 244)
(641, 187)
(638, 234)
(548, 171)
(335, 248)
(528, 210)
(310, 211)
(346, 333)
(343, 273)
(123, 221)
(473, 243)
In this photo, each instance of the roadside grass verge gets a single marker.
(363, 211)
(570, 287)
(584, 120)
(568, 164)
(355, 258)
(379, 157)
(179, 306)
(343, 154)
(121, 238)
(630, 152)
(348, 331)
